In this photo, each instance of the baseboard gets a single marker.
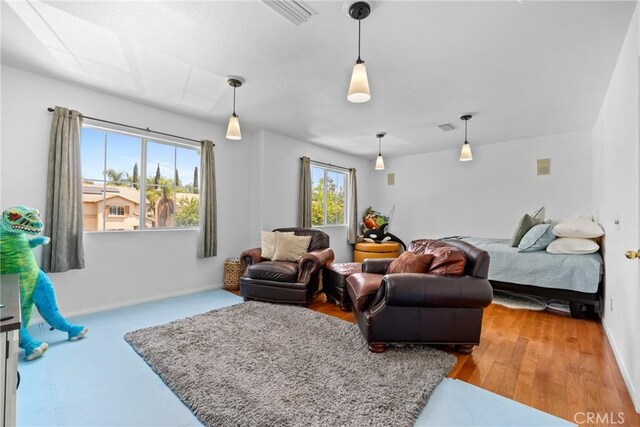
(37, 319)
(628, 380)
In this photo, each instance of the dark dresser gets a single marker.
(10, 331)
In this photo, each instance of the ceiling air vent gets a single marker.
(294, 11)
(446, 127)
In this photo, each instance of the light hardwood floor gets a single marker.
(549, 361)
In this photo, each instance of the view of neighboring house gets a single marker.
(112, 208)
(117, 208)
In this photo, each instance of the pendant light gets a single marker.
(465, 153)
(233, 130)
(380, 160)
(359, 87)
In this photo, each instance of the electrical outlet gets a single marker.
(611, 305)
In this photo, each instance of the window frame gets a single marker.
(144, 140)
(117, 207)
(347, 194)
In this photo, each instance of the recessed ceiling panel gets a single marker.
(206, 84)
(160, 91)
(153, 64)
(36, 24)
(68, 62)
(82, 38)
(196, 102)
(113, 76)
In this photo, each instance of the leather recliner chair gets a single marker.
(421, 307)
(283, 281)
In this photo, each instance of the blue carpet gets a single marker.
(456, 403)
(100, 380)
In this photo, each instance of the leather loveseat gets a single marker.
(424, 307)
(283, 281)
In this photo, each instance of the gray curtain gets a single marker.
(352, 233)
(208, 234)
(63, 211)
(304, 211)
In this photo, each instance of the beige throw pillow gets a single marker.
(580, 227)
(572, 246)
(291, 247)
(268, 241)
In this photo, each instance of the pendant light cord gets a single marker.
(465, 131)
(359, 21)
(379, 146)
(234, 104)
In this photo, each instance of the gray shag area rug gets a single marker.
(258, 364)
(518, 302)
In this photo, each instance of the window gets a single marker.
(131, 182)
(116, 210)
(328, 196)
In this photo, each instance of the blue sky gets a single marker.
(124, 151)
(318, 173)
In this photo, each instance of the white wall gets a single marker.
(121, 267)
(257, 189)
(436, 195)
(279, 183)
(616, 187)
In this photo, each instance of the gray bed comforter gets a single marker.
(580, 273)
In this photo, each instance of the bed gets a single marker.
(573, 278)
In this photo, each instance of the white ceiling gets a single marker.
(523, 69)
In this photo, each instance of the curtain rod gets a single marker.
(328, 164)
(135, 127)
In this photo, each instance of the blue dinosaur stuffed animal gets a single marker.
(35, 286)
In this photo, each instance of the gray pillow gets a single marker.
(537, 239)
(526, 223)
(540, 214)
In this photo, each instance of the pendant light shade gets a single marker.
(465, 152)
(380, 160)
(359, 86)
(233, 130)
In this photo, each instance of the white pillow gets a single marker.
(572, 246)
(290, 247)
(579, 227)
(268, 241)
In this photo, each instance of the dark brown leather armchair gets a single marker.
(282, 281)
(421, 307)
